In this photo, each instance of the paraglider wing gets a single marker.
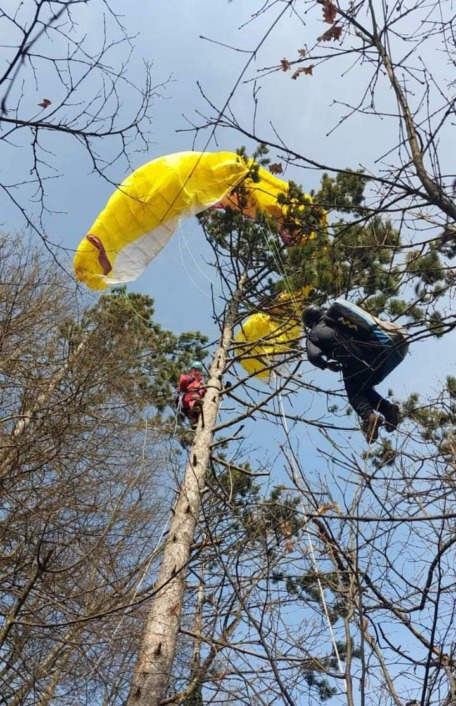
(265, 341)
(266, 196)
(259, 195)
(142, 214)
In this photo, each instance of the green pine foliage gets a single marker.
(351, 252)
(121, 328)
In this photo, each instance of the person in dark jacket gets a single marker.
(361, 364)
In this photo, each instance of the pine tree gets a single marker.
(332, 258)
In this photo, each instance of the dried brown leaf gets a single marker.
(329, 11)
(276, 168)
(333, 32)
(306, 70)
(285, 64)
(323, 509)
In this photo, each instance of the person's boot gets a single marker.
(392, 418)
(370, 426)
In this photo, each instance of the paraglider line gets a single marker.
(195, 262)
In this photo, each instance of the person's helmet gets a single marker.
(197, 365)
(312, 314)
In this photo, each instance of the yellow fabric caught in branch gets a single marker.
(265, 341)
(264, 196)
(142, 214)
(268, 338)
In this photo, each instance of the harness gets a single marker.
(194, 391)
(358, 326)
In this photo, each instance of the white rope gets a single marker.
(183, 240)
(177, 415)
(295, 469)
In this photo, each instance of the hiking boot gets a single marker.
(392, 418)
(370, 426)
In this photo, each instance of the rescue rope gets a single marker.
(295, 470)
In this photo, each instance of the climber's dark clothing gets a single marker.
(361, 363)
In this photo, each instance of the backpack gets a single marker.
(362, 326)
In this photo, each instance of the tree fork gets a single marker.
(152, 672)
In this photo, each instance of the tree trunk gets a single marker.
(153, 669)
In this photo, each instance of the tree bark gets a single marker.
(152, 673)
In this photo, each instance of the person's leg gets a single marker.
(194, 410)
(375, 400)
(364, 400)
(356, 381)
(390, 411)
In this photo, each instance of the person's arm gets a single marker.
(321, 344)
(315, 355)
(184, 382)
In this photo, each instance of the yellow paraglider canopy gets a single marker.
(266, 339)
(142, 214)
(264, 196)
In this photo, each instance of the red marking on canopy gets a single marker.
(102, 257)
